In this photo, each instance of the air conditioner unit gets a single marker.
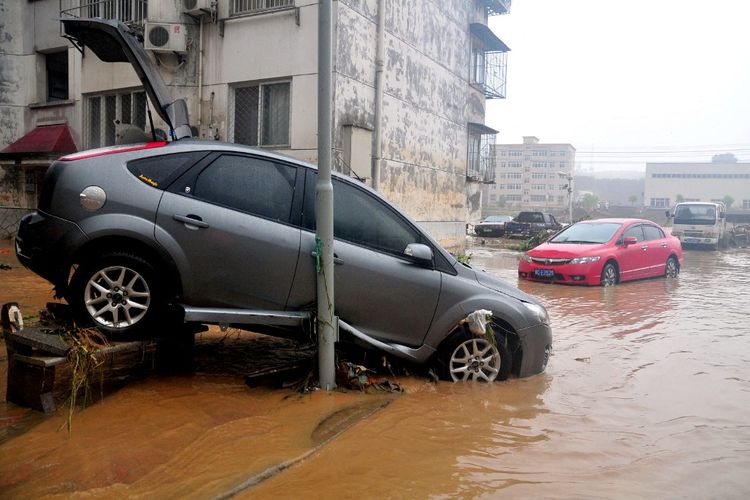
(165, 37)
(196, 7)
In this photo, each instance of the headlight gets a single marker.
(539, 312)
(526, 257)
(585, 260)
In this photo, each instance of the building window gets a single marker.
(239, 7)
(515, 152)
(56, 64)
(538, 175)
(514, 164)
(261, 114)
(539, 187)
(103, 111)
(745, 204)
(514, 175)
(538, 197)
(488, 62)
(481, 162)
(659, 202)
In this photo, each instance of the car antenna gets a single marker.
(151, 122)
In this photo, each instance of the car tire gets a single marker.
(610, 276)
(672, 268)
(465, 357)
(119, 293)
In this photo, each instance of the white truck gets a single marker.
(699, 223)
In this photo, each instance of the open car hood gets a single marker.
(112, 41)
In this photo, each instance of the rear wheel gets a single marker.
(119, 293)
(672, 269)
(465, 356)
(610, 276)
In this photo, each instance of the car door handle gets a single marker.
(336, 259)
(191, 219)
(664, 245)
(644, 247)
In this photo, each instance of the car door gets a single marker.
(632, 258)
(228, 225)
(657, 252)
(378, 290)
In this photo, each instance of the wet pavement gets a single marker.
(647, 394)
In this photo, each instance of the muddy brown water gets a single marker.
(647, 395)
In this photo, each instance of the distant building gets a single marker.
(530, 175)
(665, 182)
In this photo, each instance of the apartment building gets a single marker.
(668, 183)
(530, 175)
(248, 71)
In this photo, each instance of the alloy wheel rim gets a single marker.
(672, 269)
(475, 359)
(117, 297)
(609, 277)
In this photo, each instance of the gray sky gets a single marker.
(663, 80)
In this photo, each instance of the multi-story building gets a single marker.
(531, 175)
(248, 71)
(668, 183)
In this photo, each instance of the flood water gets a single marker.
(647, 395)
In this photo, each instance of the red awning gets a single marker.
(46, 140)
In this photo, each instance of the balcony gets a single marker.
(481, 161)
(130, 12)
(496, 7)
(250, 7)
(488, 62)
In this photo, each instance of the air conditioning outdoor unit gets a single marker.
(165, 37)
(196, 7)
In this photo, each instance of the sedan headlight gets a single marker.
(585, 260)
(526, 257)
(538, 311)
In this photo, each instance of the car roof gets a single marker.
(616, 221)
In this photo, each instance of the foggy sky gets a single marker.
(636, 81)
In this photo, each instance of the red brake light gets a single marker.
(113, 149)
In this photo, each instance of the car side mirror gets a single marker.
(419, 252)
(668, 214)
(630, 240)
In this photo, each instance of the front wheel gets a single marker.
(610, 275)
(672, 269)
(465, 356)
(119, 293)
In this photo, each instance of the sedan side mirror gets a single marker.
(419, 252)
(668, 213)
(630, 240)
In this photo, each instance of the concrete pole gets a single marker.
(377, 145)
(327, 324)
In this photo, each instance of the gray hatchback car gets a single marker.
(225, 234)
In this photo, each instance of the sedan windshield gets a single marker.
(598, 232)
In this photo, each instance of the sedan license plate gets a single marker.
(544, 273)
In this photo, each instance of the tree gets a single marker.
(632, 199)
(679, 198)
(590, 201)
(728, 200)
(724, 158)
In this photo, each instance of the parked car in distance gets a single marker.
(604, 252)
(225, 234)
(493, 225)
(527, 224)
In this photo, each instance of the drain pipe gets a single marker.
(377, 146)
(200, 76)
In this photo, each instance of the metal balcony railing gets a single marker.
(242, 7)
(496, 7)
(130, 12)
(481, 161)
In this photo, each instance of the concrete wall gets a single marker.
(698, 181)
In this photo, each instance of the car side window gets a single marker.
(251, 185)
(634, 231)
(160, 171)
(359, 217)
(652, 232)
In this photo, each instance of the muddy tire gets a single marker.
(672, 268)
(119, 293)
(465, 356)
(610, 276)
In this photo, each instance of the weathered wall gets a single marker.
(426, 103)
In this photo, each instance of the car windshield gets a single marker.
(498, 218)
(597, 232)
(695, 214)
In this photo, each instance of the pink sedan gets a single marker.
(604, 252)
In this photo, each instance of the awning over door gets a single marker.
(50, 139)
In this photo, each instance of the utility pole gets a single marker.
(327, 322)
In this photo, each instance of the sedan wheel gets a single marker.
(609, 275)
(118, 293)
(672, 269)
(465, 356)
